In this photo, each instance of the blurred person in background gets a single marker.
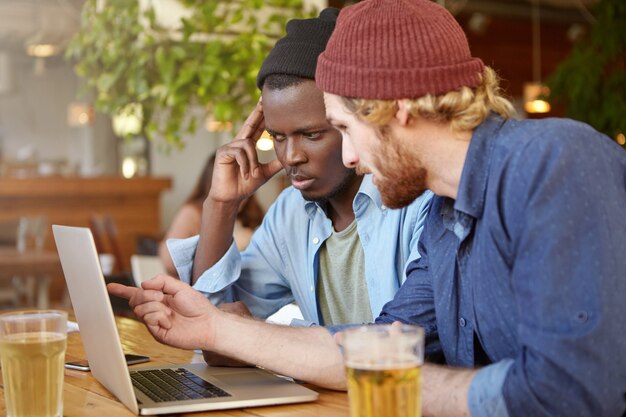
(186, 222)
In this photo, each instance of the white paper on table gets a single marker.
(285, 315)
(72, 326)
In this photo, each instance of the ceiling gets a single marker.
(561, 10)
(24, 21)
(567, 4)
(571, 11)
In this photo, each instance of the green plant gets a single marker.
(127, 58)
(591, 82)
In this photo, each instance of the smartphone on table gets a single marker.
(84, 365)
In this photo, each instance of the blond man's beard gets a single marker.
(401, 175)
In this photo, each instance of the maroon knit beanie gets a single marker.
(395, 49)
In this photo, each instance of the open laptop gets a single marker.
(209, 388)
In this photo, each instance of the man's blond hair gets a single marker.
(464, 109)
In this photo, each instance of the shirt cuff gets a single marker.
(485, 394)
(215, 279)
(221, 275)
(182, 252)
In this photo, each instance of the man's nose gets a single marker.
(348, 154)
(294, 154)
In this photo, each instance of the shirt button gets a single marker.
(462, 322)
(311, 288)
(316, 240)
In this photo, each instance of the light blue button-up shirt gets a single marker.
(280, 264)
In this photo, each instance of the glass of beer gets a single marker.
(383, 364)
(32, 352)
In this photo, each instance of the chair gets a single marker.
(105, 237)
(144, 267)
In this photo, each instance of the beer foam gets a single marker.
(380, 364)
(33, 337)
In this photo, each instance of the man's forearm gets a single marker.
(307, 354)
(216, 234)
(445, 391)
(311, 355)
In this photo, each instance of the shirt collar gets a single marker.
(367, 188)
(473, 186)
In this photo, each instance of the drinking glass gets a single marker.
(383, 365)
(31, 233)
(32, 352)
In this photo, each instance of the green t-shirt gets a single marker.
(341, 284)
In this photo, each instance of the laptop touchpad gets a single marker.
(242, 379)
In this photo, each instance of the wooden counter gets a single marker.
(133, 204)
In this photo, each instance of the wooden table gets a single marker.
(85, 397)
(38, 264)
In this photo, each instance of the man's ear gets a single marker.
(402, 115)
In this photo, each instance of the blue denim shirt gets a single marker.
(280, 264)
(526, 270)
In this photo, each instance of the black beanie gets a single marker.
(297, 52)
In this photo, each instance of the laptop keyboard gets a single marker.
(174, 385)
